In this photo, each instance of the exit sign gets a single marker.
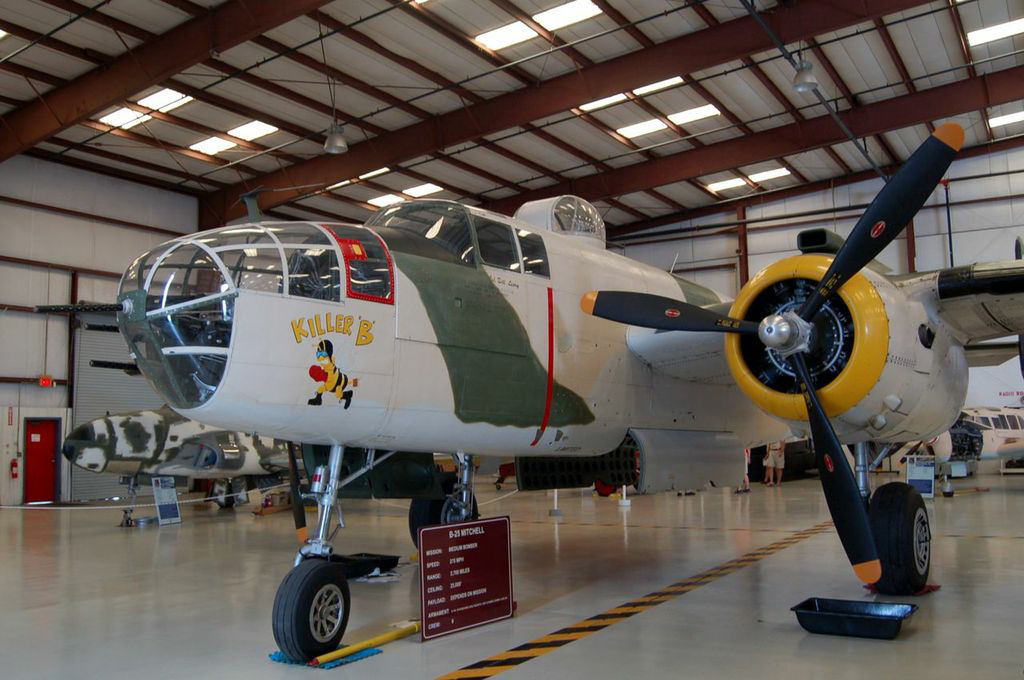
(46, 381)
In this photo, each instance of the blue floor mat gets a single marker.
(278, 657)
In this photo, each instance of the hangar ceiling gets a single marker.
(645, 107)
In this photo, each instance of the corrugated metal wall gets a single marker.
(99, 391)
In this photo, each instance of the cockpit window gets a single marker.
(497, 246)
(535, 256)
(985, 421)
(313, 273)
(135, 276)
(300, 234)
(235, 236)
(254, 268)
(444, 225)
(367, 265)
(187, 273)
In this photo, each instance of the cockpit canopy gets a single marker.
(566, 215)
(182, 293)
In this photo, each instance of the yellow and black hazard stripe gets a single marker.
(507, 660)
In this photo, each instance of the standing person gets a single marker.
(774, 461)
(745, 486)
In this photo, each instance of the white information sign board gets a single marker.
(921, 474)
(166, 498)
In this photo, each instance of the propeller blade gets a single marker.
(841, 493)
(892, 209)
(298, 509)
(662, 313)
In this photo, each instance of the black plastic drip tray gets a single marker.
(854, 618)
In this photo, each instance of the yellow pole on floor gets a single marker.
(366, 644)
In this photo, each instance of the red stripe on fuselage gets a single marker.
(551, 368)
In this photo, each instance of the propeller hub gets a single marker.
(786, 333)
(775, 331)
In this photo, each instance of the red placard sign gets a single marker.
(465, 575)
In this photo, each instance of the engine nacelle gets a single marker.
(649, 460)
(882, 371)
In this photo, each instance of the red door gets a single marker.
(40, 460)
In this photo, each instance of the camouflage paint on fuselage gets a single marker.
(496, 377)
(161, 441)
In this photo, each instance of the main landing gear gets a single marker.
(901, 529)
(459, 506)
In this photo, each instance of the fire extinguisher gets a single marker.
(14, 468)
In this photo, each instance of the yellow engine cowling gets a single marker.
(891, 385)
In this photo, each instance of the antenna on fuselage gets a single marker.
(675, 260)
(252, 204)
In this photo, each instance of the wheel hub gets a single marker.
(325, 614)
(922, 541)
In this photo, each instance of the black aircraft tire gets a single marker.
(313, 582)
(425, 512)
(223, 495)
(900, 525)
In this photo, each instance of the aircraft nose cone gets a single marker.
(83, 435)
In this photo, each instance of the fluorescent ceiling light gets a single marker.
(551, 19)
(386, 199)
(374, 173)
(212, 145)
(690, 115)
(252, 130)
(660, 85)
(1007, 119)
(165, 100)
(726, 184)
(644, 128)
(567, 14)
(769, 174)
(505, 36)
(1005, 30)
(422, 190)
(338, 185)
(601, 103)
(124, 118)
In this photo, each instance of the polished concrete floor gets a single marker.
(82, 598)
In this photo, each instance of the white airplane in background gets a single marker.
(441, 327)
(982, 434)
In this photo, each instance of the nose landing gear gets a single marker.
(312, 604)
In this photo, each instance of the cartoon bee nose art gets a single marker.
(332, 380)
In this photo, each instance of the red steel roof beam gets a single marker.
(190, 43)
(939, 102)
(965, 52)
(688, 53)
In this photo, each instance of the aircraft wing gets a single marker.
(982, 301)
(693, 357)
(990, 353)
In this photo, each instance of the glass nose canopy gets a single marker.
(183, 292)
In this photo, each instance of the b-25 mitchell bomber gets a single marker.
(441, 327)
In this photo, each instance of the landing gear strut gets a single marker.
(312, 603)
(459, 506)
(900, 527)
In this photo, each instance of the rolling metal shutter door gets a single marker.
(99, 391)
